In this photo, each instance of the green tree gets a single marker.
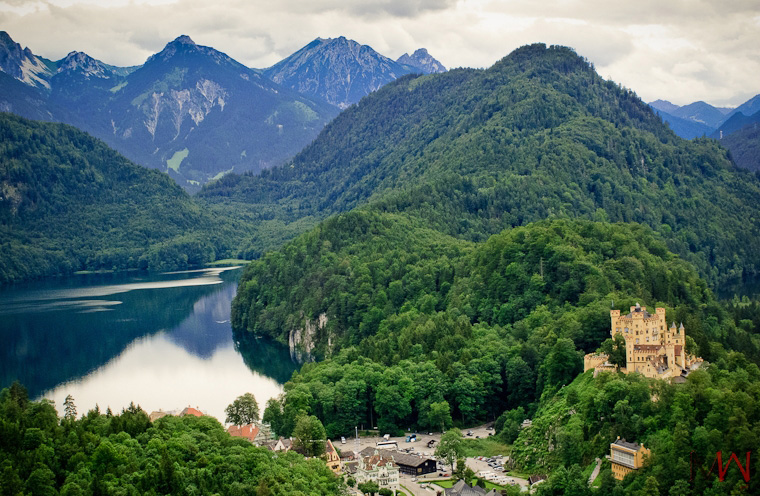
(562, 363)
(615, 350)
(273, 415)
(369, 488)
(651, 487)
(451, 447)
(309, 436)
(243, 410)
(439, 414)
(69, 408)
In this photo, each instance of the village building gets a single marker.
(626, 457)
(378, 469)
(279, 445)
(191, 411)
(332, 459)
(407, 463)
(255, 432)
(155, 415)
(248, 432)
(652, 348)
(461, 488)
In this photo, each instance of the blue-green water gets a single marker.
(163, 342)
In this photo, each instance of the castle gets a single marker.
(652, 349)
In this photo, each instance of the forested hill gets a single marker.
(68, 202)
(538, 135)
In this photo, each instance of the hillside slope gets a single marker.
(68, 202)
(538, 135)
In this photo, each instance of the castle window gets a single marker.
(626, 329)
(647, 339)
(637, 340)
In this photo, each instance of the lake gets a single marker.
(161, 341)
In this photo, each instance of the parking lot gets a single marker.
(420, 447)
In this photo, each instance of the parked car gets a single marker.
(469, 433)
(342, 439)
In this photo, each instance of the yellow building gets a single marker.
(652, 348)
(626, 457)
(332, 458)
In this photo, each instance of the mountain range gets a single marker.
(537, 135)
(193, 111)
(702, 119)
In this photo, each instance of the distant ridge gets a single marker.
(341, 71)
(422, 61)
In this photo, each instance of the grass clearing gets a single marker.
(487, 446)
(174, 162)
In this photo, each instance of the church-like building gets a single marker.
(652, 348)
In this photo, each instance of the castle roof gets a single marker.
(625, 444)
(647, 347)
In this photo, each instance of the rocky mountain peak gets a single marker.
(423, 61)
(338, 70)
(181, 45)
(22, 64)
(184, 40)
(82, 63)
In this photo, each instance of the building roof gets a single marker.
(191, 411)
(329, 448)
(374, 461)
(272, 445)
(461, 488)
(249, 431)
(399, 457)
(625, 444)
(350, 467)
(647, 347)
(407, 459)
(157, 415)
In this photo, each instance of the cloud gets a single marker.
(681, 50)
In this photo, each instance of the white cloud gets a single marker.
(650, 46)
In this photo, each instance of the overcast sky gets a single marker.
(677, 50)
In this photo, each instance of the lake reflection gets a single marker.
(164, 342)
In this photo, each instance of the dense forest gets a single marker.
(683, 424)
(538, 135)
(479, 259)
(104, 453)
(415, 319)
(68, 203)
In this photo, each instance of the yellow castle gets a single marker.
(652, 348)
